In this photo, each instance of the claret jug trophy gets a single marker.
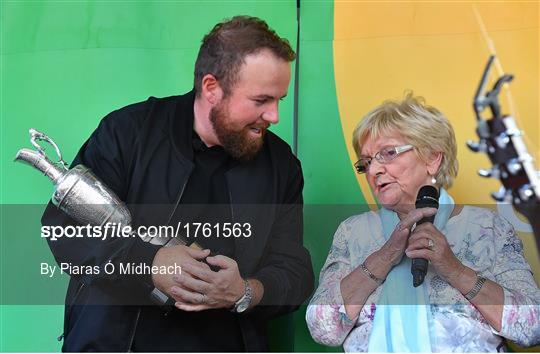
(85, 198)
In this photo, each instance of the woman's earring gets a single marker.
(433, 180)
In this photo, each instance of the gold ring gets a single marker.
(430, 244)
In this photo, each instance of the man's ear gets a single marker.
(434, 163)
(210, 89)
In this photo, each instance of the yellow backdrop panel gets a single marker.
(438, 50)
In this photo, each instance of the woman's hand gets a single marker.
(491, 296)
(429, 243)
(357, 286)
(392, 251)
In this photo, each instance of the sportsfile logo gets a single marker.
(109, 230)
(113, 230)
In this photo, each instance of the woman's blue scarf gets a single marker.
(401, 322)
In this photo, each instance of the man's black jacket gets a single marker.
(143, 153)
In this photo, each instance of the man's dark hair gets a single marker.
(224, 49)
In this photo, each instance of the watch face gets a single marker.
(243, 305)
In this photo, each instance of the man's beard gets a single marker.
(236, 143)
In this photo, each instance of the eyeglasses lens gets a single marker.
(362, 165)
(387, 155)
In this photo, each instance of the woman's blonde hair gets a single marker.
(423, 126)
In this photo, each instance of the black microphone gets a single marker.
(428, 197)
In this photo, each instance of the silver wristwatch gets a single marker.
(243, 303)
(480, 280)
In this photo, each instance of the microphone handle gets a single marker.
(419, 265)
(419, 270)
(430, 219)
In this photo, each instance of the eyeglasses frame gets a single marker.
(398, 149)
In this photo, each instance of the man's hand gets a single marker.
(179, 255)
(199, 288)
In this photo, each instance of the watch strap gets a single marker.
(480, 280)
(246, 297)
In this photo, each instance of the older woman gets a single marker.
(478, 285)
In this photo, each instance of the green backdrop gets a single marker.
(64, 65)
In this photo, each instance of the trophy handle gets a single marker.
(36, 136)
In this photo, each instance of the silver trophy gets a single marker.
(84, 197)
(77, 192)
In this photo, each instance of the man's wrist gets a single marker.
(244, 302)
(239, 290)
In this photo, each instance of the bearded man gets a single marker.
(205, 157)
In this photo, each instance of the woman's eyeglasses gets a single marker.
(384, 156)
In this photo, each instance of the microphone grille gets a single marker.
(428, 197)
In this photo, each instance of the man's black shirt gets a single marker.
(205, 200)
(206, 196)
